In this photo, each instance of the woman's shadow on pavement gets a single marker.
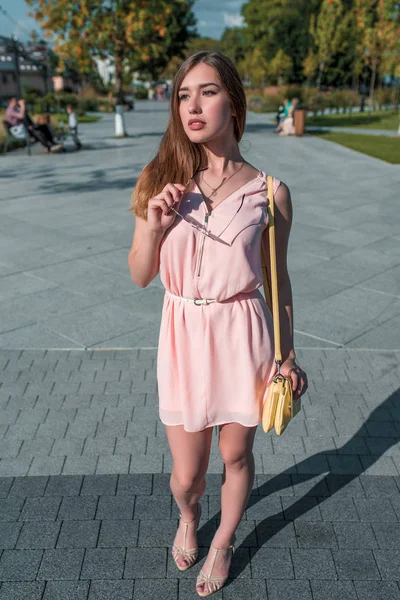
(328, 484)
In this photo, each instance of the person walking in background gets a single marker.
(200, 206)
(73, 126)
(17, 116)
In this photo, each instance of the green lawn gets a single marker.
(370, 120)
(379, 146)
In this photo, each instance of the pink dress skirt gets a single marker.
(215, 361)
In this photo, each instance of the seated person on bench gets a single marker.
(18, 118)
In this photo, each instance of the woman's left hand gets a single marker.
(299, 378)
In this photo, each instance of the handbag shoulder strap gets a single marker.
(274, 304)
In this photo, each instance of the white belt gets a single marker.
(196, 301)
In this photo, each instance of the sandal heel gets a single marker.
(190, 556)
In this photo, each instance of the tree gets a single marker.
(273, 25)
(280, 65)
(254, 68)
(233, 44)
(379, 31)
(133, 32)
(310, 65)
(329, 33)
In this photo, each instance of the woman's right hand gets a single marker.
(159, 215)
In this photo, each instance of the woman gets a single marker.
(288, 124)
(201, 216)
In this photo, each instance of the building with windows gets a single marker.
(23, 66)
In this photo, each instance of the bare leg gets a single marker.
(190, 455)
(236, 443)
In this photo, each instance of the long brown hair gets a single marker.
(178, 159)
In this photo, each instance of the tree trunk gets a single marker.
(319, 78)
(120, 130)
(373, 79)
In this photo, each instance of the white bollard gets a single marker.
(120, 130)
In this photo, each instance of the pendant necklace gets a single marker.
(224, 180)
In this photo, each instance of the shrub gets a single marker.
(141, 93)
(66, 99)
(89, 104)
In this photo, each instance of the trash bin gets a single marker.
(299, 121)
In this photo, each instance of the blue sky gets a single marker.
(212, 17)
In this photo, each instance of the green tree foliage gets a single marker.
(233, 44)
(280, 66)
(378, 26)
(136, 33)
(273, 25)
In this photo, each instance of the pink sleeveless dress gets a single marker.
(214, 361)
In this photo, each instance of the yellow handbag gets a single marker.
(279, 406)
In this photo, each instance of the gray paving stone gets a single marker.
(271, 563)
(333, 590)
(304, 485)
(61, 564)
(28, 486)
(137, 484)
(14, 467)
(257, 508)
(9, 533)
(97, 446)
(355, 535)
(267, 485)
(5, 486)
(388, 562)
(297, 589)
(40, 509)
(345, 485)
(64, 485)
(80, 508)
(155, 588)
(312, 563)
(19, 565)
(380, 465)
(78, 534)
(94, 485)
(374, 509)
(10, 508)
(356, 564)
(119, 463)
(158, 507)
(103, 563)
(41, 534)
(111, 590)
(315, 535)
(379, 486)
(145, 563)
(66, 590)
(305, 508)
(338, 509)
(115, 507)
(114, 534)
(79, 465)
(32, 590)
(46, 465)
(68, 447)
(275, 534)
(387, 534)
(387, 590)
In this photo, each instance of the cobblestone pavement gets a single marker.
(85, 507)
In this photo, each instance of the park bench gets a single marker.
(12, 136)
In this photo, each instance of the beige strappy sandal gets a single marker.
(190, 556)
(214, 584)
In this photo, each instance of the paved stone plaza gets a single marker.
(85, 507)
